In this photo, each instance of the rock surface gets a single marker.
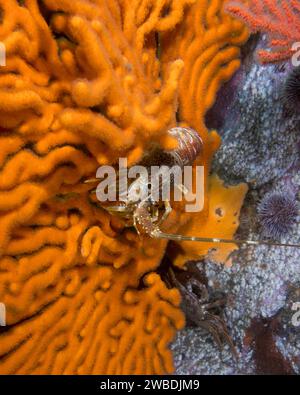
(260, 147)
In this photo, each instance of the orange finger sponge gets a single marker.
(85, 83)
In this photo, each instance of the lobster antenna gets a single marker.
(91, 181)
(161, 235)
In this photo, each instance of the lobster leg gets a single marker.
(168, 210)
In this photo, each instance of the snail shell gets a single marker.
(190, 145)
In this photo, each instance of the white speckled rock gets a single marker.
(260, 147)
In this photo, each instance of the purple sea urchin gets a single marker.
(290, 94)
(277, 213)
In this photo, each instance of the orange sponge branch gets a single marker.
(88, 82)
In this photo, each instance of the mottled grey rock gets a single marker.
(257, 286)
(259, 147)
(196, 353)
(259, 137)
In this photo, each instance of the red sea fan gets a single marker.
(279, 19)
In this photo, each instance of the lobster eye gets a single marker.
(290, 95)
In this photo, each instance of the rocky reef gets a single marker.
(260, 146)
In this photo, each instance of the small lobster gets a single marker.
(147, 214)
